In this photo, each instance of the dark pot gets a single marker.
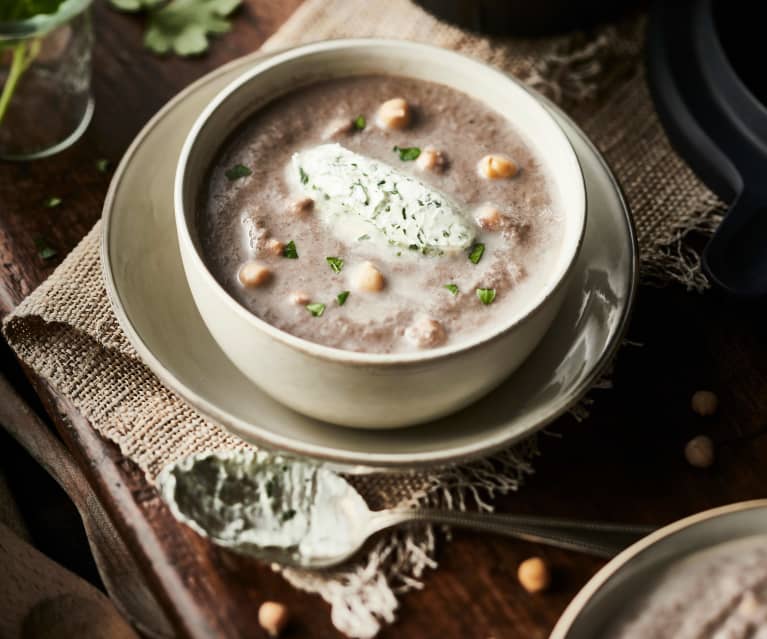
(525, 18)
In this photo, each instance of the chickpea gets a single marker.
(393, 114)
(273, 246)
(488, 217)
(704, 403)
(496, 166)
(699, 451)
(302, 207)
(431, 160)
(299, 298)
(534, 575)
(427, 333)
(254, 274)
(337, 128)
(273, 617)
(368, 278)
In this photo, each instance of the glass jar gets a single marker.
(45, 81)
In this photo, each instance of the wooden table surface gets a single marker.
(625, 463)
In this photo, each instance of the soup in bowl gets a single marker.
(377, 233)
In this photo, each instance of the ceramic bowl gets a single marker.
(373, 390)
(638, 569)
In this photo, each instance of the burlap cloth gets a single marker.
(66, 331)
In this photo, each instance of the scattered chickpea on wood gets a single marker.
(368, 278)
(534, 575)
(699, 451)
(496, 166)
(393, 114)
(303, 206)
(273, 617)
(431, 160)
(488, 217)
(254, 274)
(704, 403)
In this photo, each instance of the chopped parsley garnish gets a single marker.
(407, 153)
(486, 295)
(102, 165)
(364, 237)
(237, 171)
(475, 255)
(413, 247)
(52, 202)
(44, 250)
(287, 515)
(290, 251)
(316, 308)
(452, 288)
(360, 122)
(270, 485)
(341, 297)
(335, 263)
(303, 174)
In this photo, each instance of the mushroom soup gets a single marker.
(380, 214)
(719, 593)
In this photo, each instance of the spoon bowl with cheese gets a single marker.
(377, 233)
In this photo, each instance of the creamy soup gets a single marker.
(380, 214)
(720, 593)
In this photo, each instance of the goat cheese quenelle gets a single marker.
(380, 214)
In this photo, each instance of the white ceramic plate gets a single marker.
(632, 573)
(146, 285)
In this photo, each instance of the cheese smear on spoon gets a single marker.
(356, 194)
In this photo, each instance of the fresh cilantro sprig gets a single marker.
(181, 26)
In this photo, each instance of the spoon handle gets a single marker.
(593, 538)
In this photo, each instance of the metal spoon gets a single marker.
(298, 514)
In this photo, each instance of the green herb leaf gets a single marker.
(364, 237)
(413, 247)
(303, 174)
(407, 153)
(335, 263)
(102, 165)
(486, 295)
(452, 288)
(288, 515)
(237, 171)
(316, 309)
(289, 251)
(135, 5)
(44, 250)
(52, 202)
(341, 297)
(360, 123)
(475, 255)
(17, 10)
(183, 26)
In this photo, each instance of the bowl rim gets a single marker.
(338, 355)
(616, 564)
